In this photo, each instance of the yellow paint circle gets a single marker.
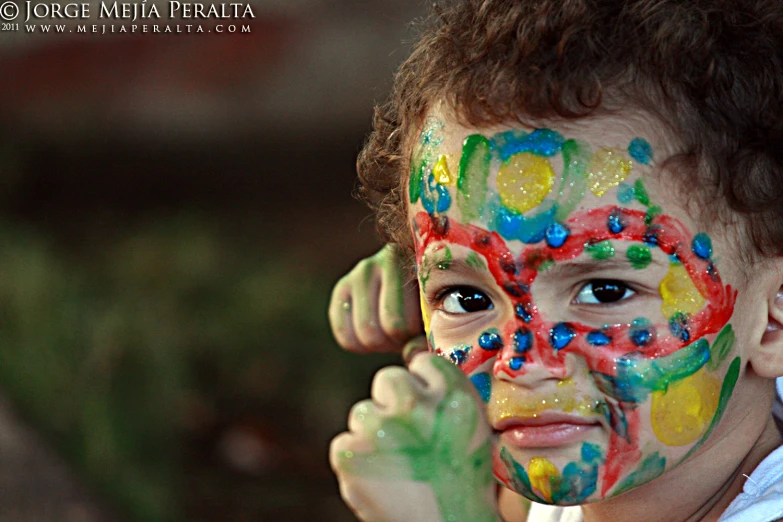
(524, 181)
(678, 292)
(682, 414)
(608, 168)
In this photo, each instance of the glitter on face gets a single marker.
(601, 251)
(679, 293)
(597, 338)
(627, 364)
(483, 383)
(508, 403)
(556, 235)
(681, 414)
(524, 181)
(490, 340)
(639, 256)
(608, 168)
(560, 335)
(459, 356)
(625, 193)
(523, 340)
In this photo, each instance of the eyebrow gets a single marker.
(571, 269)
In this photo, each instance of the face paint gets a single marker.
(608, 169)
(654, 386)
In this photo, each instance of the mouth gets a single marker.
(545, 430)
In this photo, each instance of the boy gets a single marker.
(592, 192)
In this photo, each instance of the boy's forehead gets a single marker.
(597, 130)
(613, 164)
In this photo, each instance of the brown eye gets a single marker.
(465, 300)
(603, 291)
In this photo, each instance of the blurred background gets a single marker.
(174, 210)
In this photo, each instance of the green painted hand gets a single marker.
(420, 450)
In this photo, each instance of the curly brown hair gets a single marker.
(710, 70)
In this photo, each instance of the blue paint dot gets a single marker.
(522, 313)
(650, 236)
(598, 338)
(641, 150)
(556, 235)
(642, 332)
(625, 193)
(490, 341)
(483, 384)
(515, 363)
(523, 340)
(560, 335)
(508, 223)
(702, 246)
(712, 272)
(459, 356)
(615, 222)
(678, 325)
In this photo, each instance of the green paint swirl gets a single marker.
(473, 174)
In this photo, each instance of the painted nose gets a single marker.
(534, 355)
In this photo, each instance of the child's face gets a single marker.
(564, 276)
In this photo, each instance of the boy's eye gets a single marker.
(464, 300)
(602, 291)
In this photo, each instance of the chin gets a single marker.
(565, 475)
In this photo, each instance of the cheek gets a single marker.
(682, 414)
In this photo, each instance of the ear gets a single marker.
(768, 359)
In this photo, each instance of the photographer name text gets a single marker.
(137, 11)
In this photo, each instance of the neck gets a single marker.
(712, 479)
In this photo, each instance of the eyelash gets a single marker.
(465, 290)
(593, 283)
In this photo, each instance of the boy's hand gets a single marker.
(420, 450)
(373, 308)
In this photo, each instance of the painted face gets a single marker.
(578, 296)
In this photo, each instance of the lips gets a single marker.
(545, 430)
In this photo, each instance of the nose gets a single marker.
(534, 354)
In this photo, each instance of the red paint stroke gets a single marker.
(516, 277)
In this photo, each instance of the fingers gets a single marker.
(341, 317)
(367, 310)
(400, 313)
(371, 309)
(415, 346)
